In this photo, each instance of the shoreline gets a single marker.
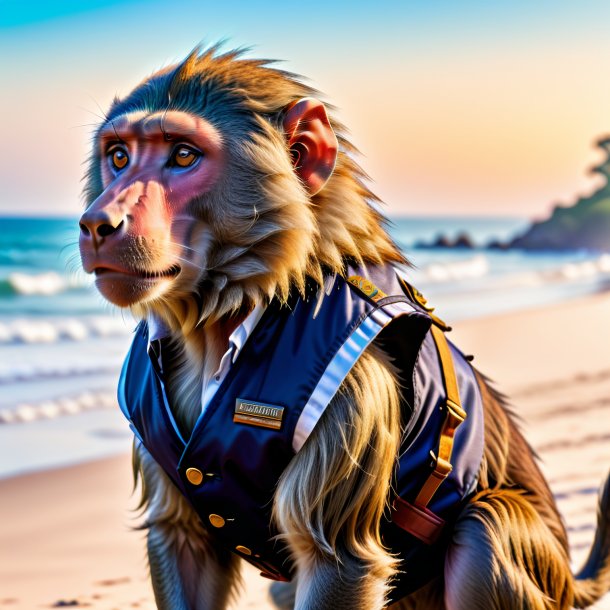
(66, 534)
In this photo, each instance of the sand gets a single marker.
(67, 537)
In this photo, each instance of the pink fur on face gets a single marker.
(147, 202)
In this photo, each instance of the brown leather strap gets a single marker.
(455, 416)
(418, 521)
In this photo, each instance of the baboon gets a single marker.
(295, 402)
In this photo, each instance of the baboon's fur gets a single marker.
(263, 236)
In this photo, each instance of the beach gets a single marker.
(67, 535)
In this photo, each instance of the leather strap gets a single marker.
(454, 417)
(420, 522)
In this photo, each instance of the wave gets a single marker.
(48, 283)
(591, 270)
(479, 266)
(30, 373)
(33, 330)
(66, 405)
(586, 269)
(35, 258)
(475, 267)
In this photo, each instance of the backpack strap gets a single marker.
(415, 517)
(455, 415)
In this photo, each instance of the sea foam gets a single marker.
(475, 267)
(478, 266)
(44, 284)
(53, 330)
(50, 409)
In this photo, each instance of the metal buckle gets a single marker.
(442, 468)
(456, 411)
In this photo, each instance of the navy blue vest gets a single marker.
(296, 359)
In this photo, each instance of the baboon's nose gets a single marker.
(98, 224)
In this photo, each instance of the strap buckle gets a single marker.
(454, 417)
(456, 412)
(442, 468)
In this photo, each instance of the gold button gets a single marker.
(243, 549)
(194, 476)
(216, 520)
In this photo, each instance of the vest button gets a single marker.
(243, 549)
(216, 520)
(194, 476)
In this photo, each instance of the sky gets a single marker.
(459, 108)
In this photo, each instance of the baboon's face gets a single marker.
(139, 236)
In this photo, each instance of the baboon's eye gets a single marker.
(118, 158)
(183, 156)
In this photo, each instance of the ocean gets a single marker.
(61, 346)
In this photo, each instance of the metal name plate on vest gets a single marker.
(258, 414)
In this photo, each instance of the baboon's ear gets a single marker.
(313, 143)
